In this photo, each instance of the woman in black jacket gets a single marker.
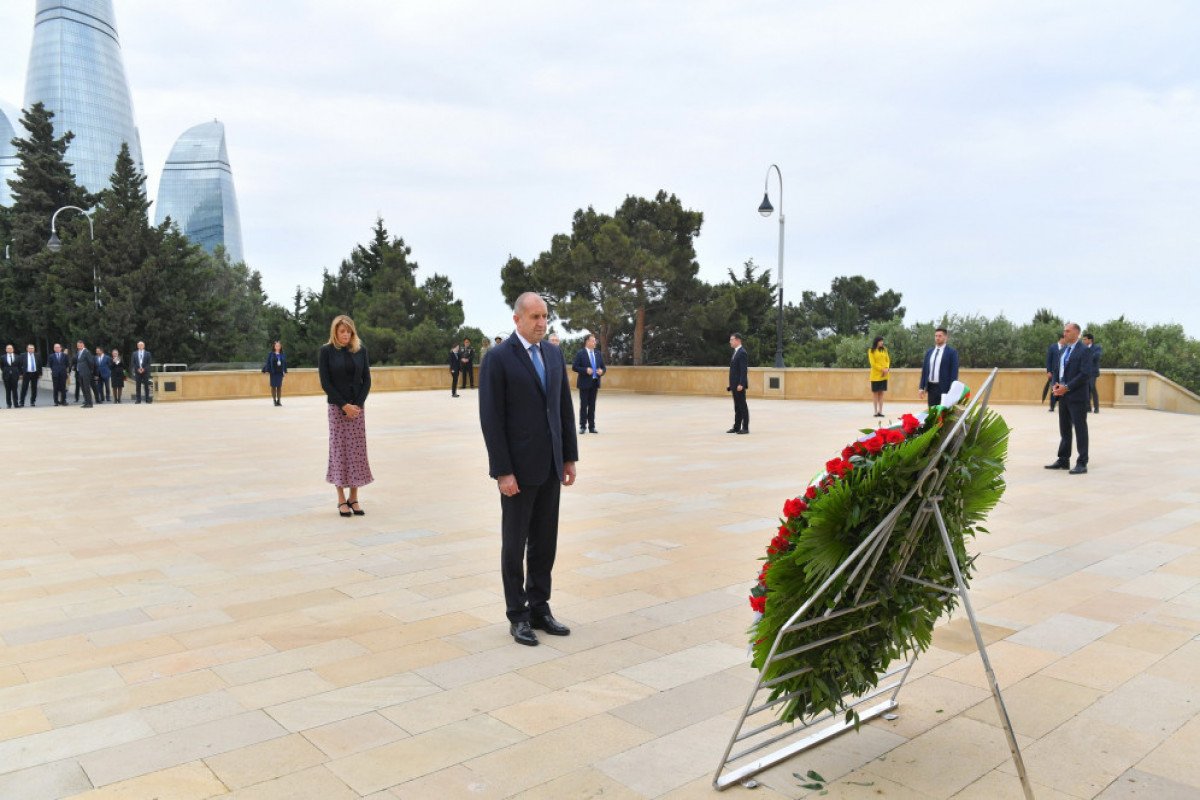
(346, 379)
(276, 367)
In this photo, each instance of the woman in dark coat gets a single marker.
(117, 368)
(276, 367)
(346, 379)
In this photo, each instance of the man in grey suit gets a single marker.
(85, 371)
(140, 364)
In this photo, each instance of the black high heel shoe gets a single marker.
(343, 513)
(358, 512)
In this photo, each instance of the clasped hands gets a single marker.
(351, 411)
(1059, 389)
(508, 483)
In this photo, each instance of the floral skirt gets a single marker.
(348, 465)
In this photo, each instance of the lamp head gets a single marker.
(765, 208)
(55, 244)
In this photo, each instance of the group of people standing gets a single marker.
(99, 377)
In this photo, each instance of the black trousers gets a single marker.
(142, 380)
(587, 408)
(60, 389)
(1046, 391)
(933, 394)
(29, 383)
(741, 412)
(1095, 396)
(1072, 419)
(529, 541)
(103, 390)
(468, 376)
(10, 391)
(453, 382)
(84, 384)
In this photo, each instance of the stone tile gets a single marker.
(1036, 705)
(22, 722)
(125, 761)
(571, 704)
(1149, 637)
(387, 662)
(587, 664)
(582, 783)
(926, 702)
(665, 763)
(45, 782)
(1183, 665)
(834, 759)
(997, 785)
(189, 660)
(685, 666)
(443, 627)
(72, 741)
(1062, 633)
(1144, 786)
(382, 767)
(192, 781)
(349, 736)
(279, 690)
(265, 761)
(489, 663)
(191, 711)
(272, 665)
(1149, 705)
(1010, 661)
(317, 783)
(1081, 757)
(463, 702)
(1101, 665)
(957, 635)
(1176, 758)
(685, 705)
(57, 630)
(24, 695)
(350, 701)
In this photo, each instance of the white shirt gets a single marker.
(935, 365)
(1062, 362)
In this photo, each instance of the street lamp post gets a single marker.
(55, 244)
(765, 208)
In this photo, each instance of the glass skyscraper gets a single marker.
(196, 190)
(76, 70)
(10, 123)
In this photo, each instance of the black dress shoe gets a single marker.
(732, 430)
(1078, 470)
(744, 431)
(522, 633)
(1059, 465)
(591, 430)
(550, 625)
(583, 430)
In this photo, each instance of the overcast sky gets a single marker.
(980, 157)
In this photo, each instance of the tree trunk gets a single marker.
(639, 333)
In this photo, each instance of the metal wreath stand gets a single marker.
(861, 564)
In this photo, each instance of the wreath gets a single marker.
(840, 508)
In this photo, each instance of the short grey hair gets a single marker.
(519, 306)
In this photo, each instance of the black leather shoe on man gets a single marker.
(523, 634)
(1078, 469)
(732, 430)
(551, 626)
(1059, 465)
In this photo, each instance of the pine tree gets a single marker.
(124, 242)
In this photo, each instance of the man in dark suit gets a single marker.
(103, 376)
(1072, 387)
(140, 364)
(60, 366)
(739, 380)
(85, 371)
(1053, 352)
(1097, 353)
(589, 365)
(466, 358)
(11, 368)
(939, 369)
(31, 373)
(529, 429)
(455, 368)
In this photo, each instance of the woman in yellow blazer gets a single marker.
(881, 364)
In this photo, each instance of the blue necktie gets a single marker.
(538, 367)
(592, 356)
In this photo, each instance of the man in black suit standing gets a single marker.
(60, 366)
(140, 365)
(11, 368)
(1097, 352)
(1053, 353)
(939, 369)
(739, 380)
(1072, 387)
(589, 365)
(466, 357)
(103, 377)
(85, 371)
(31, 373)
(529, 429)
(455, 368)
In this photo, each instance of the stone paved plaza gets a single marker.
(183, 615)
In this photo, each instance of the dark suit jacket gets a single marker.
(1052, 354)
(739, 370)
(526, 428)
(133, 364)
(85, 364)
(345, 376)
(60, 365)
(23, 363)
(10, 373)
(271, 366)
(581, 364)
(947, 372)
(104, 366)
(1077, 374)
(455, 364)
(1097, 353)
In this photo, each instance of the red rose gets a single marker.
(892, 436)
(759, 604)
(847, 452)
(794, 508)
(811, 493)
(874, 444)
(909, 423)
(762, 573)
